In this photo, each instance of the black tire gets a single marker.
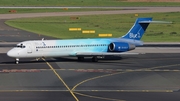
(80, 58)
(94, 59)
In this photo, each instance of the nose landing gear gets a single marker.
(17, 61)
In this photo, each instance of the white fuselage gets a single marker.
(59, 48)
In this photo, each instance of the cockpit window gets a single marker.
(20, 46)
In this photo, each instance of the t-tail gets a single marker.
(138, 29)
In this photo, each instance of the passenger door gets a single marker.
(29, 48)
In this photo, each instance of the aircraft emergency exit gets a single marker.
(83, 47)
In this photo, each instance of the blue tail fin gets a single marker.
(138, 29)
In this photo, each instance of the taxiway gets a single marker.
(122, 78)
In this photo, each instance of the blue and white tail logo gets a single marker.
(134, 36)
(138, 29)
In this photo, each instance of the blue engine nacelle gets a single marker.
(120, 47)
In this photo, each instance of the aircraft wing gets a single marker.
(104, 53)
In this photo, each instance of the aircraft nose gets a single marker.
(11, 53)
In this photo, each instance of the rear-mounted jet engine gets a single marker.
(120, 47)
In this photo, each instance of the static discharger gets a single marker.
(74, 29)
(88, 31)
(105, 35)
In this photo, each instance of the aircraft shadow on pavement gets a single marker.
(107, 59)
(88, 59)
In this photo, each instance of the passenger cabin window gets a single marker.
(67, 46)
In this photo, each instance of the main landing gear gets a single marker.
(80, 58)
(94, 59)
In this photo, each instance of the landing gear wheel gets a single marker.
(17, 61)
(37, 59)
(94, 59)
(80, 58)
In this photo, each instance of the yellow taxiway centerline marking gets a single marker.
(97, 77)
(61, 80)
(106, 75)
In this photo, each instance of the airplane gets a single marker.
(80, 48)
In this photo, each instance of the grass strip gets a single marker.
(83, 3)
(117, 25)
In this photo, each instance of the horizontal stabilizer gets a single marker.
(165, 22)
